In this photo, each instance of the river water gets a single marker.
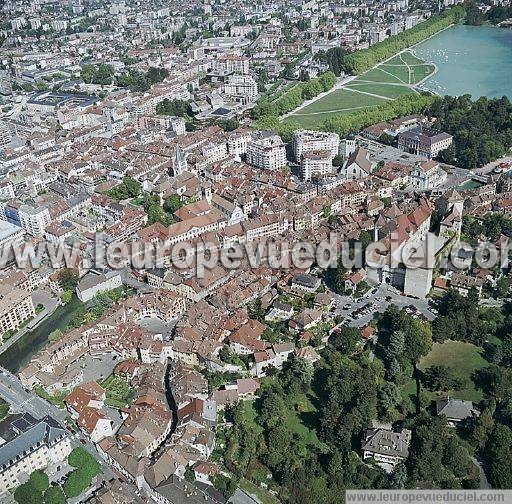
(18, 355)
(475, 60)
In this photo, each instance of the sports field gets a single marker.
(387, 81)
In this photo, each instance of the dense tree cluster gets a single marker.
(491, 226)
(495, 15)
(350, 393)
(68, 278)
(151, 203)
(437, 457)
(139, 82)
(228, 124)
(334, 57)
(136, 80)
(37, 489)
(474, 16)
(361, 61)
(343, 124)
(305, 471)
(349, 390)
(402, 341)
(440, 378)
(490, 433)
(460, 319)
(128, 188)
(293, 98)
(86, 468)
(498, 449)
(179, 108)
(97, 74)
(498, 13)
(154, 75)
(481, 129)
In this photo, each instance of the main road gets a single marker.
(13, 392)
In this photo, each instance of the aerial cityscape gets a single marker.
(255, 252)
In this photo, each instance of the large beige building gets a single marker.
(15, 307)
(316, 164)
(241, 87)
(424, 142)
(266, 151)
(28, 444)
(309, 141)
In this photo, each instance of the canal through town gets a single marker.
(18, 355)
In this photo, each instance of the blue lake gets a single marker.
(475, 60)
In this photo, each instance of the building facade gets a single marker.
(16, 306)
(424, 142)
(266, 151)
(308, 141)
(32, 444)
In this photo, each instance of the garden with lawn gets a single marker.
(391, 79)
(119, 392)
(462, 360)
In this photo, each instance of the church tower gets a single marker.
(179, 163)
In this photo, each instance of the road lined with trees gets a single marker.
(361, 61)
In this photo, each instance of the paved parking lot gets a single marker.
(376, 300)
(158, 326)
(380, 152)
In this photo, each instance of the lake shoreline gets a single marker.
(454, 52)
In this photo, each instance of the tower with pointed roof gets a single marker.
(179, 162)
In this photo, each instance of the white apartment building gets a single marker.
(316, 164)
(231, 63)
(15, 307)
(34, 220)
(241, 86)
(5, 134)
(33, 444)
(266, 151)
(238, 142)
(307, 141)
(214, 152)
